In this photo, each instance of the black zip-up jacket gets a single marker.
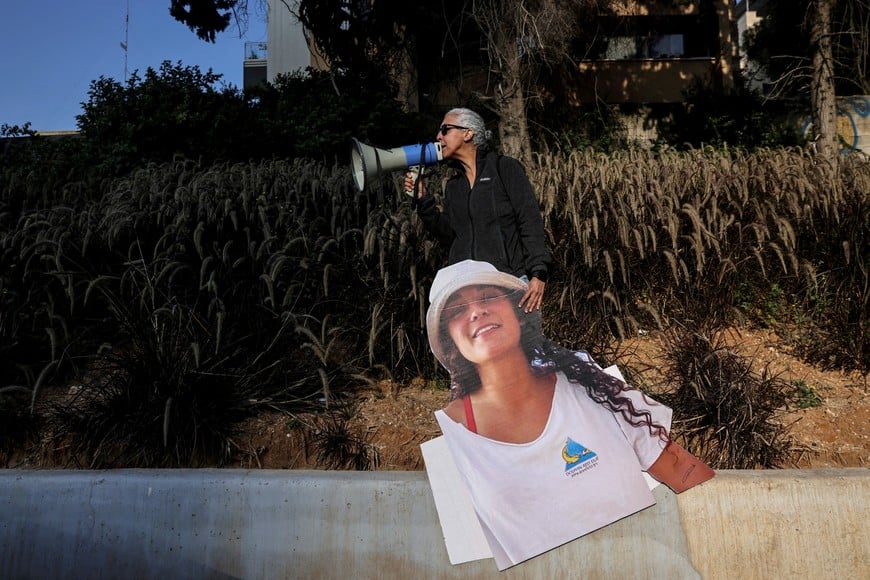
(497, 220)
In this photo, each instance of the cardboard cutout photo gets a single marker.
(540, 445)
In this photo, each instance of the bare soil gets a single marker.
(394, 419)
(391, 420)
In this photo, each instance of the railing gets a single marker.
(256, 50)
(657, 80)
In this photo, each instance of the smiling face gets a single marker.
(482, 322)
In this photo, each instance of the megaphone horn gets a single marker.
(368, 162)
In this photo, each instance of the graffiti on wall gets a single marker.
(853, 124)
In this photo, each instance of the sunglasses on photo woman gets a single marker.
(445, 128)
(455, 310)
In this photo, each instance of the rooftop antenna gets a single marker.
(126, 38)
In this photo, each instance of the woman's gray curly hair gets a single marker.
(470, 119)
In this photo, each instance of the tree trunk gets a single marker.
(823, 96)
(500, 22)
(510, 104)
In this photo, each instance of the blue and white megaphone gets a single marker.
(368, 162)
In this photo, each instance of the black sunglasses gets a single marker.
(445, 128)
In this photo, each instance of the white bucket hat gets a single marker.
(456, 277)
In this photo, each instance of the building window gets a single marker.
(631, 47)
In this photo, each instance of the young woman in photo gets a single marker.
(549, 445)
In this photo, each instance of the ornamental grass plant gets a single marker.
(184, 298)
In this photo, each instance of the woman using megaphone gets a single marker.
(489, 210)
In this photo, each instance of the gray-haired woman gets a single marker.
(489, 212)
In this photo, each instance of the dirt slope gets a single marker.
(396, 419)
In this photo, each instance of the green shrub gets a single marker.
(807, 397)
(727, 413)
(738, 118)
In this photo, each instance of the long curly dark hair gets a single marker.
(546, 357)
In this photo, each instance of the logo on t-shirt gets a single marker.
(577, 455)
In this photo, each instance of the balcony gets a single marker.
(255, 51)
(659, 80)
(255, 66)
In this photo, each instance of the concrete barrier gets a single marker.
(203, 524)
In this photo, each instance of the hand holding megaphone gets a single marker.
(412, 177)
(368, 162)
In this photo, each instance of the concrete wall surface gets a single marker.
(204, 524)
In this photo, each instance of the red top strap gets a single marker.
(469, 414)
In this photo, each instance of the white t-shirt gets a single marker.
(582, 473)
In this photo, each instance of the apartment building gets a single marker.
(287, 48)
(652, 51)
(747, 14)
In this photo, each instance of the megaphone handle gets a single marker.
(417, 172)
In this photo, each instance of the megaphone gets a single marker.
(368, 162)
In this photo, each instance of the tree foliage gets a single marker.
(815, 50)
(207, 17)
(174, 110)
(521, 39)
(315, 114)
(358, 34)
(781, 44)
(509, 59)
(180, 111)
(736, 118)
(492, 53)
